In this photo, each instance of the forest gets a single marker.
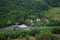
(41, 16)
(22, 11)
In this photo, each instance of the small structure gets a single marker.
(21, 26)
(32, 22)
(38, 20)
(46, 20)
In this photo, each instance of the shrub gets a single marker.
(56, 30)
(39, 24)
(46, 35)
(8, 38)
(54, 23)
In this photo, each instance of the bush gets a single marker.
(34, 31)
(39, 24)
(40, 34)
(8, 38)
(13, 34)
(46, 35)
(53, 3)
(5, 34)
(56, 30)
(54, 23)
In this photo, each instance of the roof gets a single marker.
(23, 26)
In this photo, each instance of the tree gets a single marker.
(53, 3)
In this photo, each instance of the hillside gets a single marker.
(53, 13)
(12, 11)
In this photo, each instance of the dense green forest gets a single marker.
(12, 11)
(45, 14)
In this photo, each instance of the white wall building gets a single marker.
(21, 26)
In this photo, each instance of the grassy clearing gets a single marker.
(57, 35)
(53, 13)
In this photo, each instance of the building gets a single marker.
(21, 26)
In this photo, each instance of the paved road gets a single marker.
(11, 28)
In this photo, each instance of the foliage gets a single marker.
(12, 11)
(38, 34)
(56, 30)
(13, 34)
(54, 23)
(54, 3)
(39, 24)
(46, 35)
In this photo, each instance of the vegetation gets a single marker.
(56, 30)
(38, 34)
(32, 13)
(13, 11)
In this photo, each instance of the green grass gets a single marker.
(57, 35)
(53, 13)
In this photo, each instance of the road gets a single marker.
(11, 28)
